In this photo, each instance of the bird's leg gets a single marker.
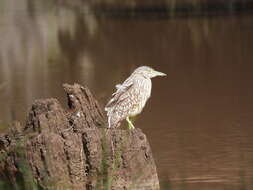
(130, 124)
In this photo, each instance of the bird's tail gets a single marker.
(109, 122)
(112, 121)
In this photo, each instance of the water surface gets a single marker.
(199, 118)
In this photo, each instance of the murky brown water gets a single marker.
(199, 120)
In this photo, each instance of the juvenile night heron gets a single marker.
(131, 96)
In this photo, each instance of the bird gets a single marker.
(131, 96)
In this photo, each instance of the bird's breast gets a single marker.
(141, 94)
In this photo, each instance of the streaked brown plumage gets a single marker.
(131, 96)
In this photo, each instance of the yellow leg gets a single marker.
(130, 124)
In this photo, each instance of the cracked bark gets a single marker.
(73, 149)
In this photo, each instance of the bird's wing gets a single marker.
(116, 96)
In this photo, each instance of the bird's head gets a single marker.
(148, 72)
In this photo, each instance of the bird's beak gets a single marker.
(157, 73)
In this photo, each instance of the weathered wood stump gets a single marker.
(72, 149)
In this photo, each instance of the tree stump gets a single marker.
(74, 150)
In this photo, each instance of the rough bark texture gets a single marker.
(73, 149)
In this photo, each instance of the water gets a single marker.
(198, 120)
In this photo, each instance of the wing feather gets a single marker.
(116, 96)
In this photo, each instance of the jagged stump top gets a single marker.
(73, 149)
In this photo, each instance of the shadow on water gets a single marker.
(199, 119)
